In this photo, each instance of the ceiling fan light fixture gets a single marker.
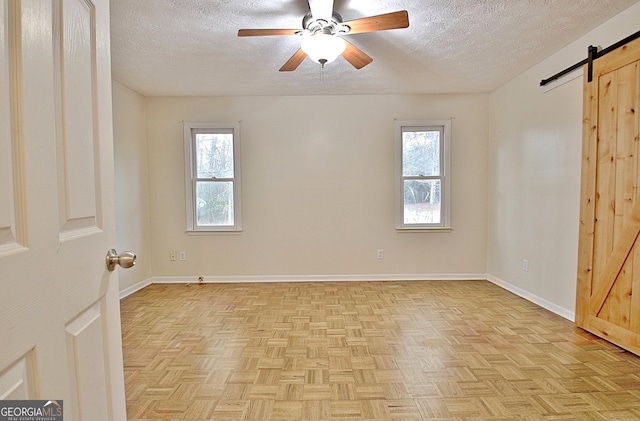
(323, 48)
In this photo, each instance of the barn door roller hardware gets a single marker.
(592, 54)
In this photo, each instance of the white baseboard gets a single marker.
(319, 278)
(137, 287)
(560, 311)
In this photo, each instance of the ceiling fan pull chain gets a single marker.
(322, 62)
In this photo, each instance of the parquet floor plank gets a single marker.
(432, 350)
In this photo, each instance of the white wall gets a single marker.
(534, 174)
(132, 183)
(318, 188)
(318, 184)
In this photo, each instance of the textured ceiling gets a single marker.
(191, 47)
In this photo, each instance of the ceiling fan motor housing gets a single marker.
(315, 25)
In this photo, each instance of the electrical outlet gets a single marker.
(183, 256)
(380, 253)
(173, 256)
(525, 265)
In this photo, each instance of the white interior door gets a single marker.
(59, 310)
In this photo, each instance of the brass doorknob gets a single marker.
(126, 259)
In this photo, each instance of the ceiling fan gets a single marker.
(323, 31)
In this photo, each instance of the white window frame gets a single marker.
(445, 175)
(191, 128)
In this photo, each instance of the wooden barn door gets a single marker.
(608, 294)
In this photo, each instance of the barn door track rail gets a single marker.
(592, 54)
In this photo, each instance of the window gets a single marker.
(212, 166)
(422, 150)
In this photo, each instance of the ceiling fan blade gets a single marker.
(393, 20)
(294, 61)
(355, 56)
(263, 32)
(321, 9)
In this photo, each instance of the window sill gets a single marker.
(214, 232)
(420, 230)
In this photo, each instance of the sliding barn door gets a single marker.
(608, 295)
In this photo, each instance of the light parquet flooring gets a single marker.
(433, 350)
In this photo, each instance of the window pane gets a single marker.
(421, 153)
(422, 203)
(214, 203)
(214, 155)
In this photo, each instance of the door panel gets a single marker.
(88, 373)
(11, 205)
(59, 309)
(15, 382)
(73, 61)
(609, 255)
